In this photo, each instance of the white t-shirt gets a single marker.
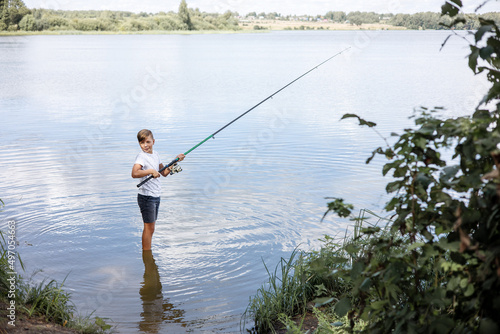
(149, 161)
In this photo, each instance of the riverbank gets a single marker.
(253, 26)
(32, 325)
(144, 32)
(310, 25)
(42, 309)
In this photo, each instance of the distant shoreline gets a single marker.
(143, 32)
(246, 27)
(23, 21)
(312, 25)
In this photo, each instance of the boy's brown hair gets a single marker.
(143, 134)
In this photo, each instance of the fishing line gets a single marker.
(243, 114)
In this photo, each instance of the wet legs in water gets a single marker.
(147, 235)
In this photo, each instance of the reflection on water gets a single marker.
(156, 310)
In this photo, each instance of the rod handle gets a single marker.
(161, 170)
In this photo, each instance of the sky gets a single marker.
(284, 7)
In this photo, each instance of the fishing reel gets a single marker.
(175, 168)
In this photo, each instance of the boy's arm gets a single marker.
(166, 172)
(137, 172)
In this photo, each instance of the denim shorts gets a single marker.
(149, 206)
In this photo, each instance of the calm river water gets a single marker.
(70, 108)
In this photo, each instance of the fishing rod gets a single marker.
(240, 116)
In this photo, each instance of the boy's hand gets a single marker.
(155, 173)
(181, 157)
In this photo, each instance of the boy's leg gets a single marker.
(149, 211)
(147, 235)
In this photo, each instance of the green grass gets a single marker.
(284, 293)
(47, 299)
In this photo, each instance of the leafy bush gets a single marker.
(445, 274)
(27, 23)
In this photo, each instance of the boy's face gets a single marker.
(147, 144)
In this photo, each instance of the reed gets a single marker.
(4, 265)
(284, 293)
(310, 279)
(47, 299)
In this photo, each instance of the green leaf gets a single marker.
(339, 207)
(352, 249)
(473, 58)
(450, 246)
(318, 302)
(349, 116)
(392, 204)
(415, 245)
(102, 324)
(371, 158)
(427, 130)
(357, 269)
(342, 307)
(486, 52)
(481, 31)
(448, 172)
(453, 283)
(393, 186)
(469, 291)
(457, 21)
(481, 114)
(400, 172)
(424, 180)
(441, 197)
(370, 230)
(429, 251)
(366, 284)
(428, 235)
(379, 304)
(386, 168)
(361, 120)
(451, 9)
(421, 142)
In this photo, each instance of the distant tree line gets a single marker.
(14, 15)
(430, 20)
(18, 17)
(11, 13)
(427, 20)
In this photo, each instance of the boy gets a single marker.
(148, 162)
